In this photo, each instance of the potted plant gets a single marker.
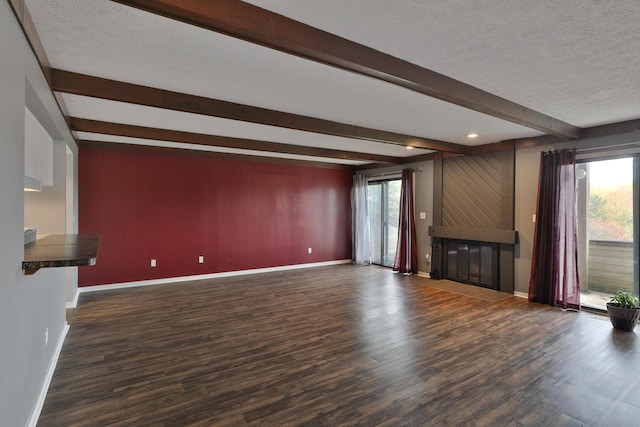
(623, 311)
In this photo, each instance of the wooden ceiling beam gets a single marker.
(600, 131)
(96, 87)
(263, 27)
(108, 128)
(409, 160)
(612, 129)
(111, 146)
(29, 29)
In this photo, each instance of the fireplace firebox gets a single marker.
(475, 263)
(485, 259)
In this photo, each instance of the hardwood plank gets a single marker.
(340, 345)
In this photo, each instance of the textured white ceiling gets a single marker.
(148, 142)
(575, 60)
(118, 112)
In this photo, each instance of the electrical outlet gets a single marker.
(201, 259)
(46, 337)
(309, 250)
(153, 262)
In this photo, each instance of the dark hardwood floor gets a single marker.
(333, 346)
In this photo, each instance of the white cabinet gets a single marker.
(38, 154)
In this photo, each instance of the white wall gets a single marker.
(71, 225)
(45, 210)
(29, 305)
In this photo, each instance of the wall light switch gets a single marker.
(153, 263)
(309, 250)
(423, 215)
(201, 259)
(534, 218)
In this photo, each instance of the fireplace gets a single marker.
(471, 262)
(484, 258)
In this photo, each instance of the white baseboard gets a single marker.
(424, 274)
(169, 280)
(35, 414)
(74, 303)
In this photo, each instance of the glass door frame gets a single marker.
(636, 216)
(382, 257)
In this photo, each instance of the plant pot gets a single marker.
(623, 318)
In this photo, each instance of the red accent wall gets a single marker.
(238, 214)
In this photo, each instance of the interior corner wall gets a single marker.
(526, 194)
(423, 202)
(237, 214)
(30, 306)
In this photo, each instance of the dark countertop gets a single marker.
(60, 250)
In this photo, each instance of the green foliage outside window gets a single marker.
(611, 213)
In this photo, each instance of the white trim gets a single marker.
(35, 414)
(389, 176)
(169, 280)
(74, 303)
(423, 274)
(521, 294)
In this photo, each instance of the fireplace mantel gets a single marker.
(509, 237)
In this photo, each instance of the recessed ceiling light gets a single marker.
(472, 135)
(409, 147)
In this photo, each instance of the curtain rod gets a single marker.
(608, 147)
(378, 175)
(615, 151)
(630, 140)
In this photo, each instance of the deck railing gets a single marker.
(610, 267)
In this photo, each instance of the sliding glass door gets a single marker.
(384, 209)
(608, 228)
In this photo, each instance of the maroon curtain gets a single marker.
(406, 253)
(554, 268)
